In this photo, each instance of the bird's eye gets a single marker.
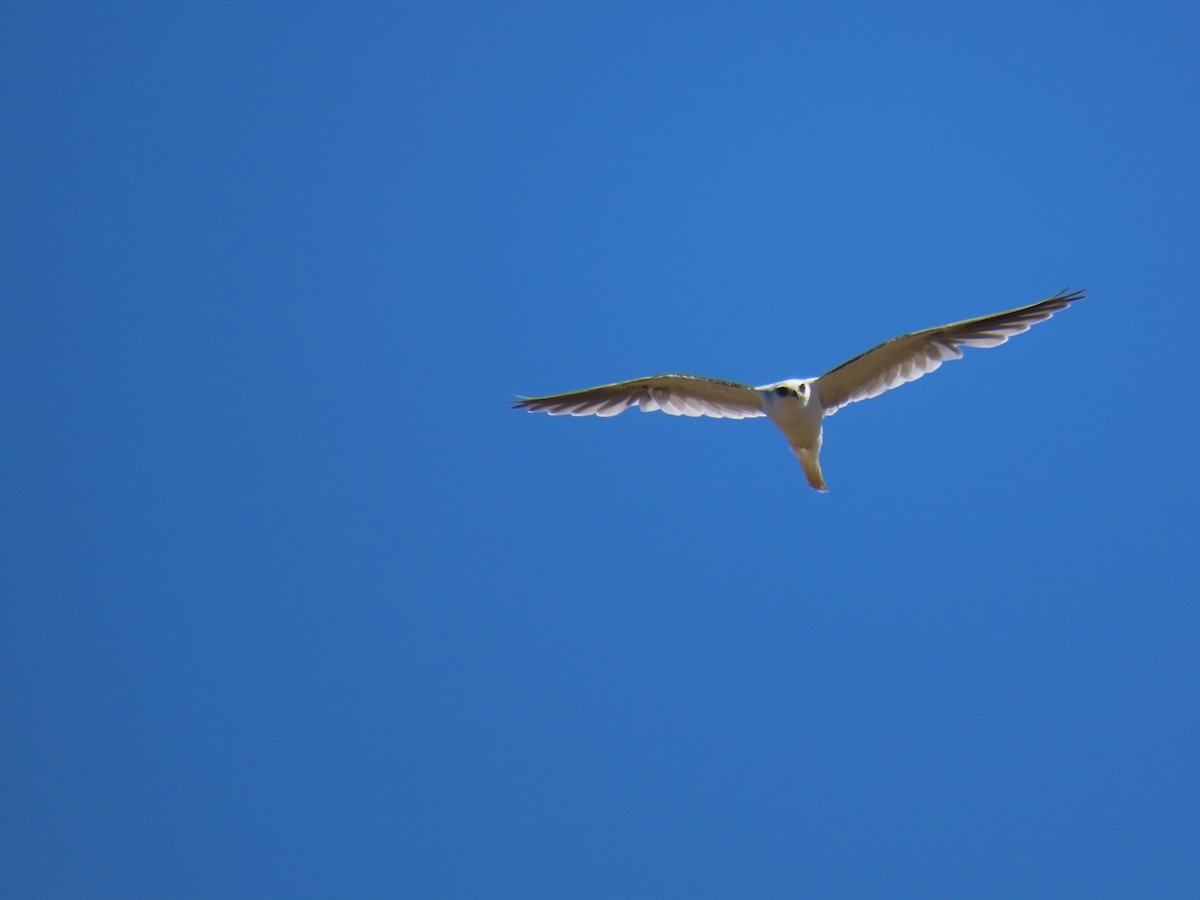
(781, 392)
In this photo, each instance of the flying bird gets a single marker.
(798, 406)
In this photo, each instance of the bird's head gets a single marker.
(793, 390)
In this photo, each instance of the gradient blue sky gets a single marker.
(294, 605)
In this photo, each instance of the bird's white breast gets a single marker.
(799, 418)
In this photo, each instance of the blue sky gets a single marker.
(295, 605)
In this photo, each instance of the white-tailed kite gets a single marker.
(797, 406)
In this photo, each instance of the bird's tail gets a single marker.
(810, 460)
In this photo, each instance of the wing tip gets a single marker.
(1067, 295)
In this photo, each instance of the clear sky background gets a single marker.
(295, 605)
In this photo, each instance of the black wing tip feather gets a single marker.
(1066, 295)
(533, 404)
(1043, 309)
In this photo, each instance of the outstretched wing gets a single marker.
(909, 356)
(676, 395)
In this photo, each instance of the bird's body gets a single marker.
(798, 406)
(795, 409)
